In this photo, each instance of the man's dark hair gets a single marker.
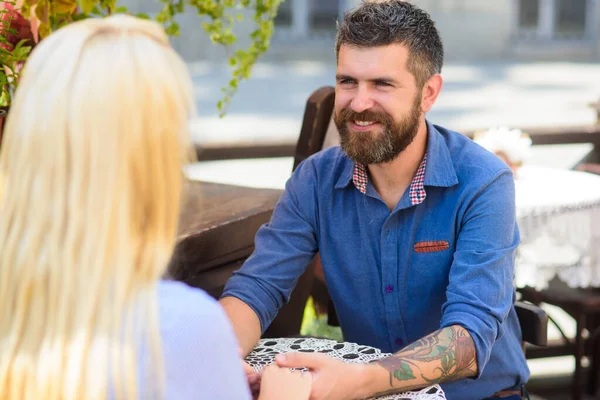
(380, 23)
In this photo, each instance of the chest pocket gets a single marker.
(431, 246)
(430, 267)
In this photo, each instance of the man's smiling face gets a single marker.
(377, 102)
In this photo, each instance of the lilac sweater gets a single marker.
(199, 347)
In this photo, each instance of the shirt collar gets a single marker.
(440, 166)
(436, 169)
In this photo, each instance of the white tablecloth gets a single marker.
(558, 212)
(265, 351)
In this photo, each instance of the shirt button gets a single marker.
(399, 342)
(389, 288)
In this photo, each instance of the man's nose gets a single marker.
(362, 100)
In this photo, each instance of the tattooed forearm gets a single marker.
(445, 355)
(396, 390)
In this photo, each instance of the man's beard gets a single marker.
(374, 148)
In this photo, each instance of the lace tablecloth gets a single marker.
(558, 212)
(265, 351)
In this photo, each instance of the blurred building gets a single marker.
(471, 29)
(517, 29)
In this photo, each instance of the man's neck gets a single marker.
(393, 178)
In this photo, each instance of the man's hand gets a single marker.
(332, 379)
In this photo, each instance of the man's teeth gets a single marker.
(363, 123)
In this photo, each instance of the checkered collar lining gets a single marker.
(360, 177)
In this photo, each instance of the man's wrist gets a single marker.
(369, 380)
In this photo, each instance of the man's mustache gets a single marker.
(348, 115)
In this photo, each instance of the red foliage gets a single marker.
(21, 25)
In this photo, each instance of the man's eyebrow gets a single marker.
(385, 79)
(341, 77)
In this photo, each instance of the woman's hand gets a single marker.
(283, 383)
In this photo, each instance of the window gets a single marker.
(324, 15)
(570, 19)
(529, 14)
(284, 14)
(307, 18)
(556, 20)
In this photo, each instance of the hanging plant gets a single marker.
(16, 42)
(25, 22)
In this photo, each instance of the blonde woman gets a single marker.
(90, 188)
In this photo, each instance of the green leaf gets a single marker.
(44, 30)
(109, 4)
(163, 16)
(41, 12)
(404, 373)
(142, 16)
(219, 19)
(21, 51)
(64, 6)
(87, 5)
(173, 29)
(79, 17)
(5, 97)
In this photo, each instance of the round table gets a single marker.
(266, 349)
(558, 213)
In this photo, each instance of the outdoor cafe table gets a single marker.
(266, 349)
(558, 213)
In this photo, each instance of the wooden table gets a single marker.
(217, 227)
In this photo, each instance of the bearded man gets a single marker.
(414, 223)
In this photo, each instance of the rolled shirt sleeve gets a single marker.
(283, 249)
(480, 289)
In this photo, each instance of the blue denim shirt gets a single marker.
(386, 293)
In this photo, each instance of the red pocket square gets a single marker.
(430, 247)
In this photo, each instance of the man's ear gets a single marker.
(431, 91)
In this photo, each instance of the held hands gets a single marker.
(283, 383)
(332, 379)
(253, 378)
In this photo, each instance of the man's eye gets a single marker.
(382, 83)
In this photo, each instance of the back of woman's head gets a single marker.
(90, 187)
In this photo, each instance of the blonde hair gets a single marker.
(90, 190)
